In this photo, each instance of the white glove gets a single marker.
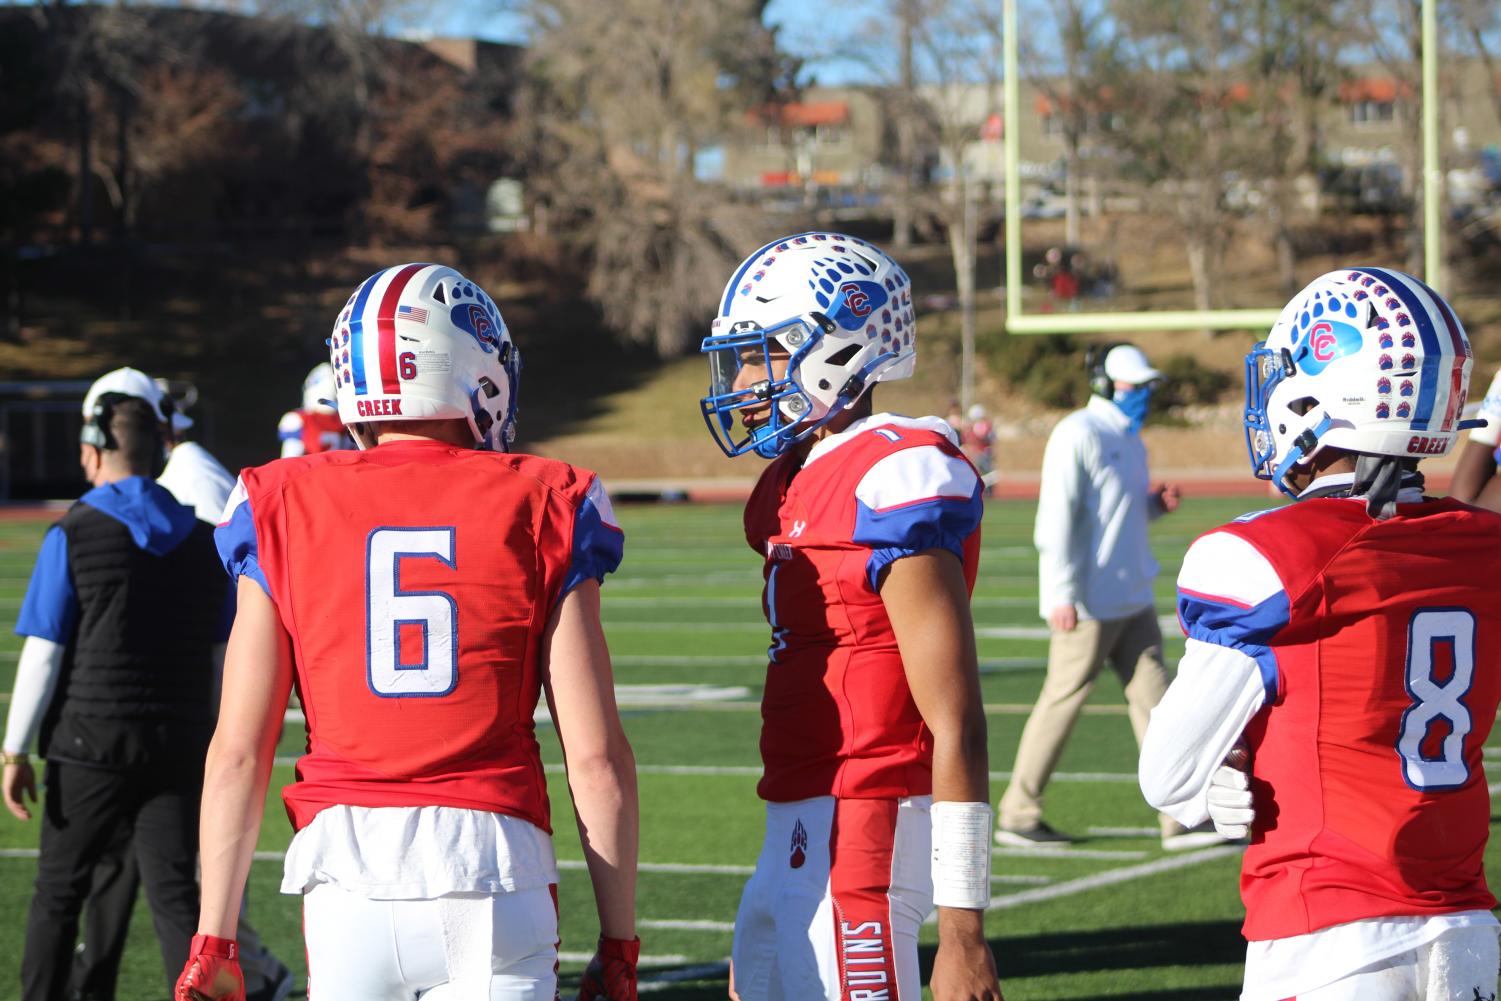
(1230, 805)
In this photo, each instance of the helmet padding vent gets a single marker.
(843, 355)
(439, 294)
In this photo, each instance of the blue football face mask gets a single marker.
(786, 406)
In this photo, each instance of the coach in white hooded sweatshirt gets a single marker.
(1095, 570)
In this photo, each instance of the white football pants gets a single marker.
(833, 910)
(461, 947)
(1459, 965)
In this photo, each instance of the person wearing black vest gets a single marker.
(124, 621)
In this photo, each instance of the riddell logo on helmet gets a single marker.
(1424, 445)
(378, 408)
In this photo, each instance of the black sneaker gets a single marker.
(1038, 836)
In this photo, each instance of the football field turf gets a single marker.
(1111, 917)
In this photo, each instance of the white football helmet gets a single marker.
(838, 305)
(318, 389)
(420, 342)
(1366, 360)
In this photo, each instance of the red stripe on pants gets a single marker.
(861, 842)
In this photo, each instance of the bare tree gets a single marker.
(1176, 67)
(903, 203)
(1293, 69)
(622, 98)
(1394, 34)
(1479, 24)
(959, 44)
(1065, 68)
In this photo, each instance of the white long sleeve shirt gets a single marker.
(1092, 514)
(197, 480)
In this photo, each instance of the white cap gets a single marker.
(1126, 363)
(128, 382)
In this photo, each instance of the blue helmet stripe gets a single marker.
(357, 332)
(734, 285)
(1422, 412)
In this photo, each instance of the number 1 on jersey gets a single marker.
(1438, 686)
(391, 612)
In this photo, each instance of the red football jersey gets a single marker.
(1381, 657)
(317, 430)
(838, 717)
(415, 580)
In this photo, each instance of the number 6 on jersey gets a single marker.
(391, 613)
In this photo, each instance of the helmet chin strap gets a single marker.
(1302, 446)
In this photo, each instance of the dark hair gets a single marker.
(136, 432)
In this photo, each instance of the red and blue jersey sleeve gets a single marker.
(598, 542)
(236, 538)
(1229, 594)
(50, 609)
(913, 500)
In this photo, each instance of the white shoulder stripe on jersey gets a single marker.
(601, 501)
(1226, 566)
(237, 496)
(916, 474)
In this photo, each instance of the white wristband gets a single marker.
(961, 855)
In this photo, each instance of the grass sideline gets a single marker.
(1115, 917)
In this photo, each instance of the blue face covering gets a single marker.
(1133, 403)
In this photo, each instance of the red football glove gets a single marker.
(611, 974)
(213, 972)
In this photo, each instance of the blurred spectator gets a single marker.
(955, 419)
(976, 437)
(1069, 273)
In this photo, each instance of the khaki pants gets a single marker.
(1133, 646)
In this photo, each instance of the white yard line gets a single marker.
(673, 924)
(1111, 877)
(1124, 832)
(1067, 853)
(1167, 622)
(652, 982)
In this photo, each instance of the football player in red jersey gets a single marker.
(421, 594)
(1343, 652)
(873, 740)
(315, 426)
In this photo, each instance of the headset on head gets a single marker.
(96, 425)
(1101, 384)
